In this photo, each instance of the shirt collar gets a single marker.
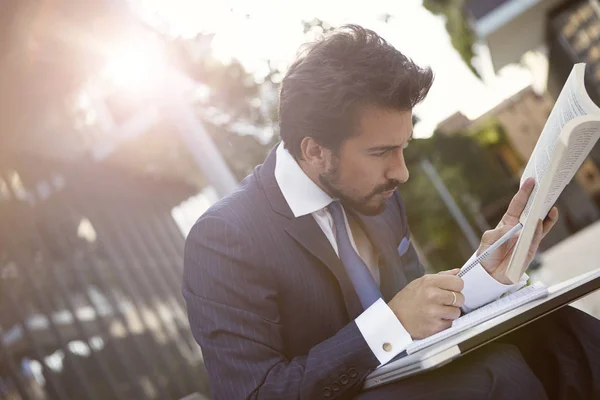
(299, 191)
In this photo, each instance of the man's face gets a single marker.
(369, 166)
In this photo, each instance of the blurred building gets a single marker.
(548, 37)
(552, 36)
(497, 25)
(522, 118)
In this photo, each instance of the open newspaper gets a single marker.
(571, 131)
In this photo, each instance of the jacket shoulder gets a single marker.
(241, 210)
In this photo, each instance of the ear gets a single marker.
(314, 154)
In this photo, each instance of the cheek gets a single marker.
(362, 177)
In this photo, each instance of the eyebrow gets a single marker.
(388, 148)
(382, 148)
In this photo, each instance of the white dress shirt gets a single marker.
(383, 332)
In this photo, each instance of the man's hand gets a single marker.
(425, 306)
(497, 262)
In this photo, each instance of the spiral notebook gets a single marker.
(476, 317)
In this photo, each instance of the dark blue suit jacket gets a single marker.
(269, 301)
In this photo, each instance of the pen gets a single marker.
(491, 249)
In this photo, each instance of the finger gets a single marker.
(539, 231)
(446, 298)
(442, 324)
(550, 220)
(518, 202)
(447, 282)
(537, 238)
(489, 237)
(450, 272)
(448, 312)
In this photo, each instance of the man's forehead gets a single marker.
(380, 124)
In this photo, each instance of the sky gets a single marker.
(254, 31)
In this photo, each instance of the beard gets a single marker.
(362, 204)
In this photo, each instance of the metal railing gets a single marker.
(90, 267)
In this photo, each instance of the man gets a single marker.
(304, 280)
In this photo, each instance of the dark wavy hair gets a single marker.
(324, 90)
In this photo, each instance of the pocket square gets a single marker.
(403, 246)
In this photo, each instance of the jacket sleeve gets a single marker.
(233, 313)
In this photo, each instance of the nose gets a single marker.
(397, 169)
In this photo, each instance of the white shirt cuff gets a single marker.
(382, 331)
(482, 288)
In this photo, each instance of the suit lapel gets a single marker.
(392, 278)
(307, 233)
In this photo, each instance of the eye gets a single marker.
(380, 153)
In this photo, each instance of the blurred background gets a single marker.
(122, 121)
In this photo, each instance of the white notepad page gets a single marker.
(476, 317)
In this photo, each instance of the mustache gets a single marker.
(388, 187)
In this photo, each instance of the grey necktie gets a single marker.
(364, 283)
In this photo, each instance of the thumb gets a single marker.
(489, 237)
(449, 272)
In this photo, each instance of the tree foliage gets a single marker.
(232, 108)
(469, 171)
(240, 111)
(457, 26)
